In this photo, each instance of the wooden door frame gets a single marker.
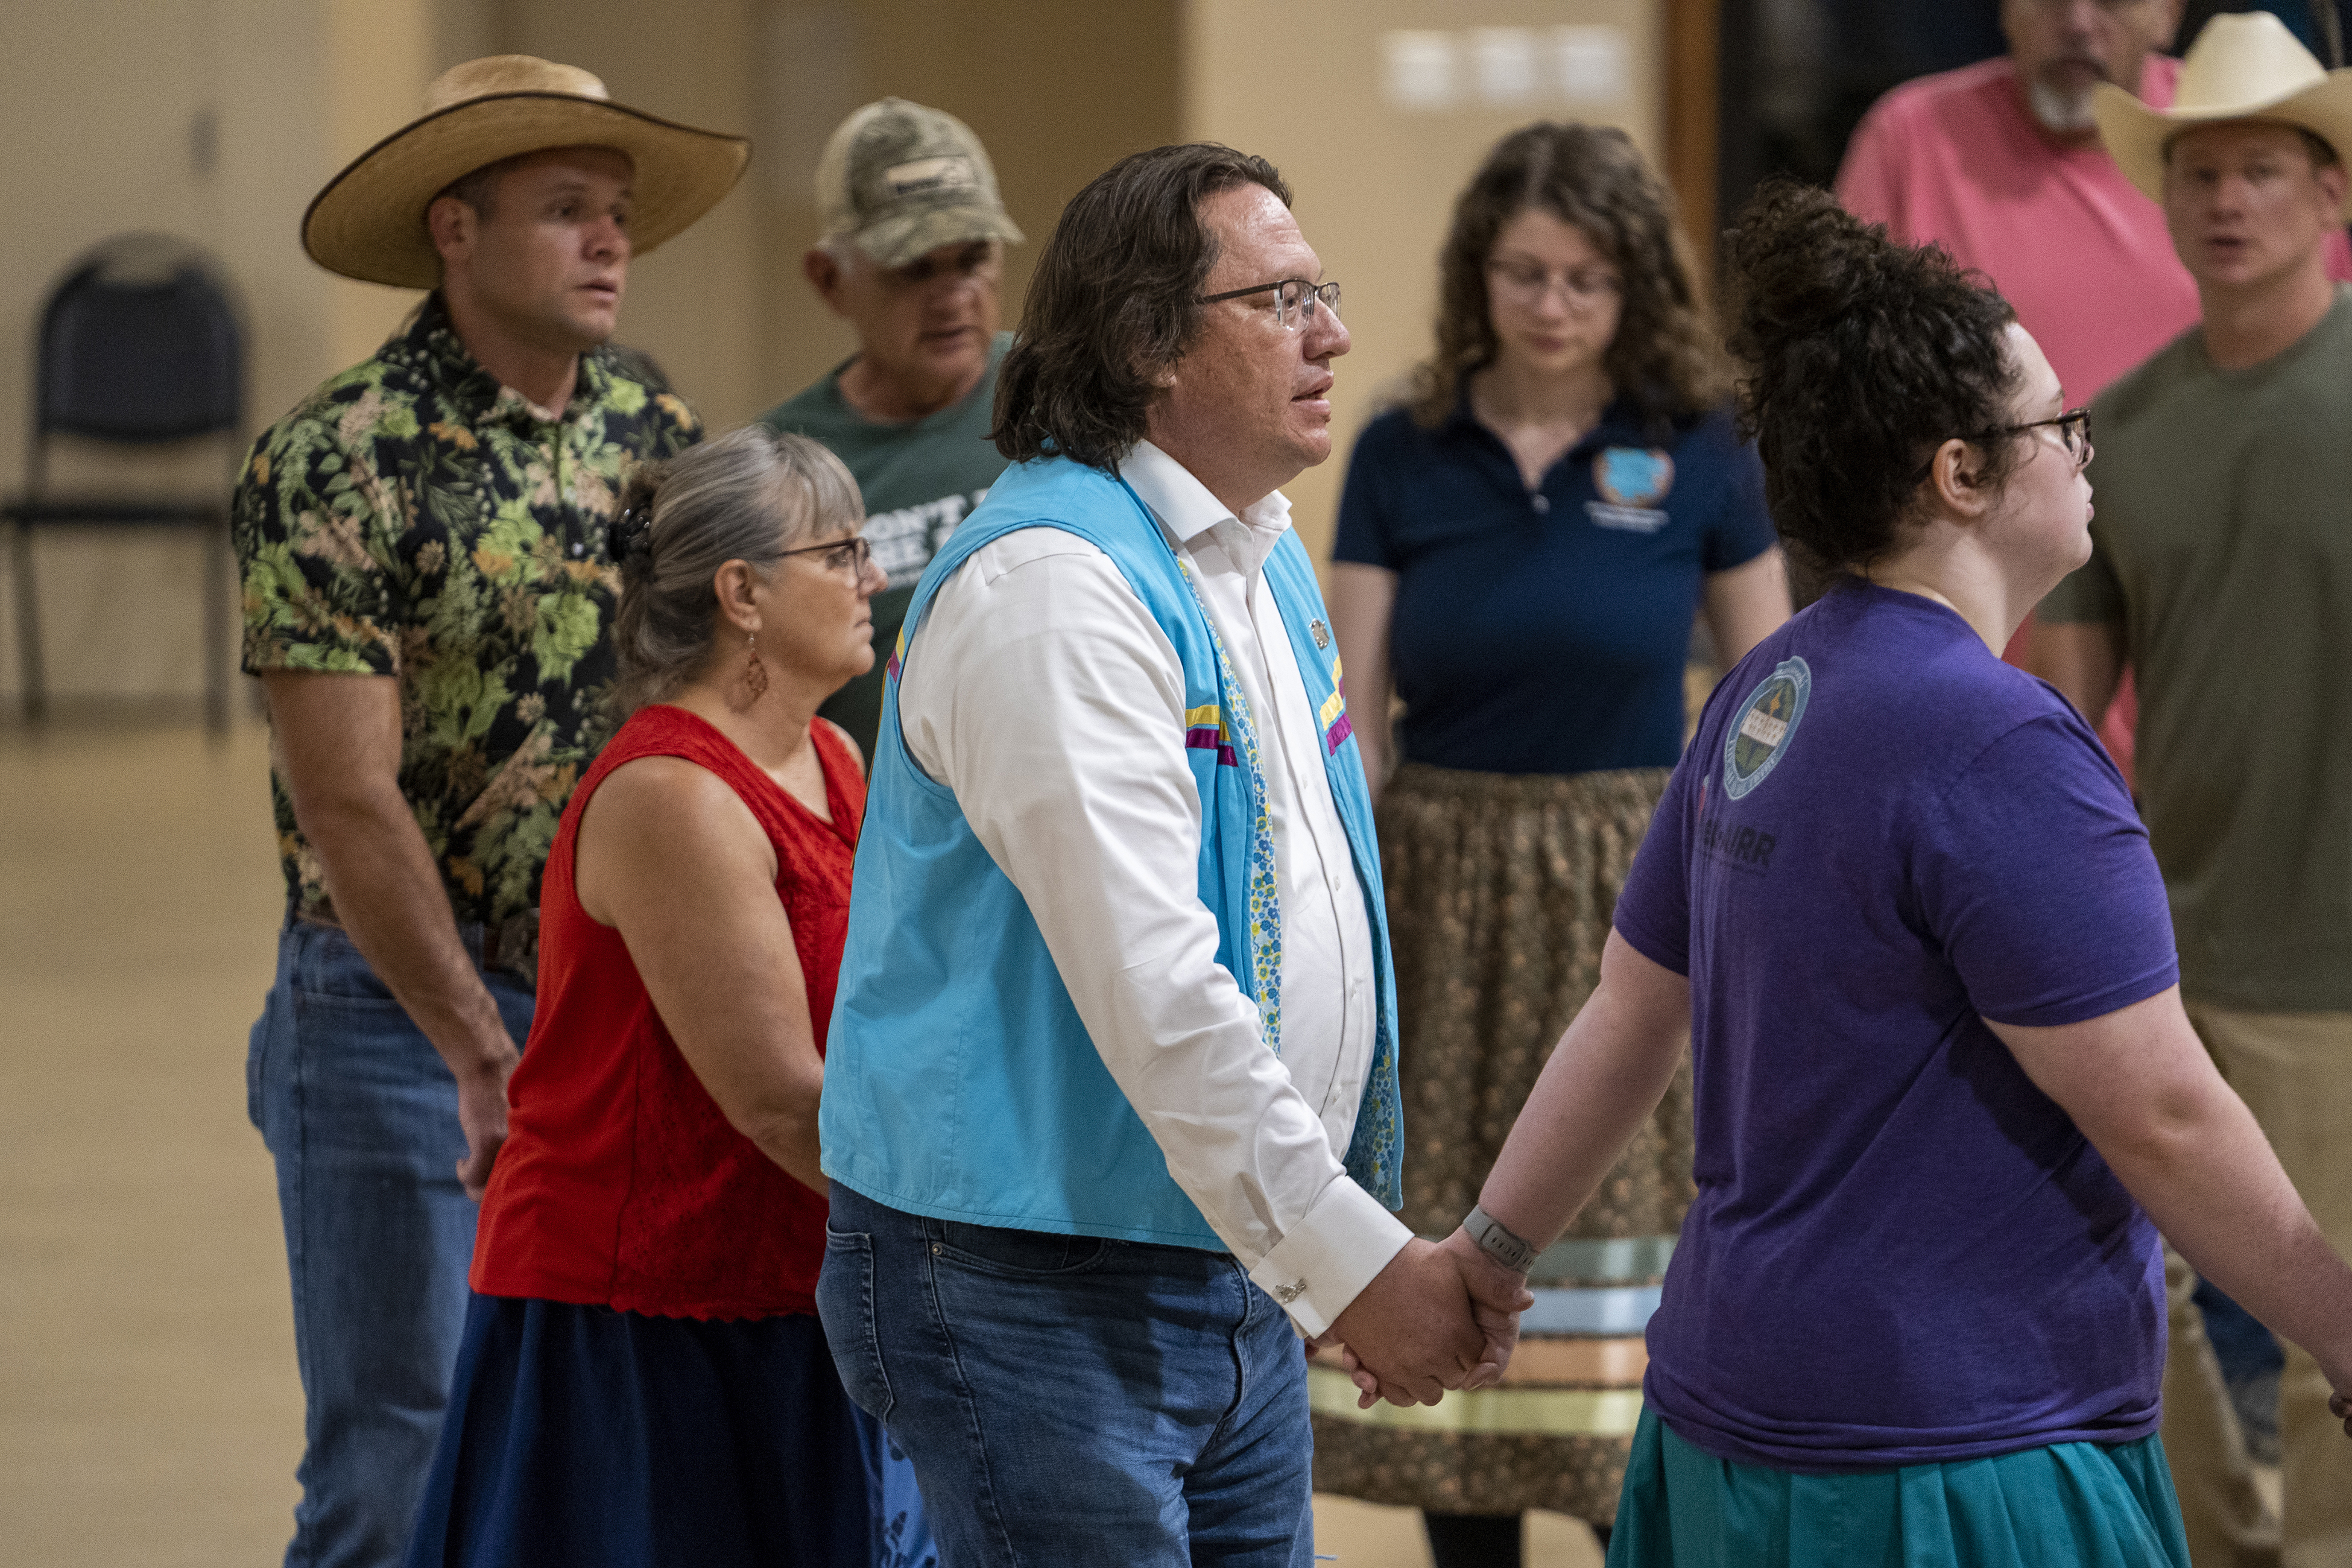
(1694, 31)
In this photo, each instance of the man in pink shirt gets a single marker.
(1999, 163)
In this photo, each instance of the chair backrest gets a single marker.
(139, 343)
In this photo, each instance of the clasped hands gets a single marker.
(1441, 1315)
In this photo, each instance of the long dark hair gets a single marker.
(1664, 356)
(1112, 300)
(1861, 357)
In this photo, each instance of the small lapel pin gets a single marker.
(1321, 633)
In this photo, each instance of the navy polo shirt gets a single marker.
(1545, 631)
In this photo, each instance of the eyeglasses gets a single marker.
(2074, 428)
(1584, 286)
(1295, 300)
(848, 556)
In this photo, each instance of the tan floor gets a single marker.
(149, 1409)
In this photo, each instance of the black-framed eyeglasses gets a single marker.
(848, 556)
(2074, 428)
(1295, 300)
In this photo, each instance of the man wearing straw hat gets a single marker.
(2222, 573)
(428, 586)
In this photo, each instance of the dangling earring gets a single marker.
(755, 674)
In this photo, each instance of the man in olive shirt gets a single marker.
(913, 257)
(2222, 572)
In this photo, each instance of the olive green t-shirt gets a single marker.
(918, 480)
(2222, 544)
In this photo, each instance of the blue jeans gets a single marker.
(361, 1117)
(1068, 1400)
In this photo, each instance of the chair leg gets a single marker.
(31, 690)
(217, 626)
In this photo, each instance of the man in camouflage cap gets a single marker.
(913, 257)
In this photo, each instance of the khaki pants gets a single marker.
(2295, 1072)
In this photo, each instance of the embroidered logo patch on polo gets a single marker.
(1633, 477)
(1760, 731)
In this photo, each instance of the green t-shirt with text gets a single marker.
(2222, 544)
(918, 480)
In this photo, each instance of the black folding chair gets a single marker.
(138, 346)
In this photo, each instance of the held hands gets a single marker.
(1438, 1317)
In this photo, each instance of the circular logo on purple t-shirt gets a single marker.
(1764, 725)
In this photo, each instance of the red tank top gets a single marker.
(621, 1182)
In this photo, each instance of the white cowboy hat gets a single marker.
(2242, 66)
(369, 223)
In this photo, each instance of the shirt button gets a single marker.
(1540, 501)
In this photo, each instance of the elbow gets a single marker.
(356, 808)
(2168, 1131)
(780, 1117)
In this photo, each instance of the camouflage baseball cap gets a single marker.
(900, 180)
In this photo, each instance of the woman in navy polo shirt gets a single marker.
(1522, 551)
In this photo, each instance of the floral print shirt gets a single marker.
(414, 519)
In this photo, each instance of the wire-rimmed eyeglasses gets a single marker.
(848, 556)
(1295, 300)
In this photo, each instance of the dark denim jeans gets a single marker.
(1068, 1400)
(361, 1117)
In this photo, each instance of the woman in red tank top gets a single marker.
(643, 1378)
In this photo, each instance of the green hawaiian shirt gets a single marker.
(413, 518)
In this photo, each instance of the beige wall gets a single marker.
(1055, 93)
(105, 99)
(215, 120)
(1373, 182)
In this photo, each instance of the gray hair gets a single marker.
(748, 496)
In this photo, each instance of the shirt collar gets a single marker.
(1185, 509)
(433, 338)
(1621, 424)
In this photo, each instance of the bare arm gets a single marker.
(337, 745)
(1744, 604)
(1604, 1078)
(2140, 1086)
(2085, 660)
(1363, 598)
(673, 859)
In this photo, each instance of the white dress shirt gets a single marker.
(1043, 693)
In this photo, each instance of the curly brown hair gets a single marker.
(1664, 356)
(1860, 358)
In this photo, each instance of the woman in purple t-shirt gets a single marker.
(1902, 903)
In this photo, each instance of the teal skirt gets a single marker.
(2075, 1503)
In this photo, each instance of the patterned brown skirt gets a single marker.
(1500, 891)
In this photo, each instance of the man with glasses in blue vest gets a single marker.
(1110, 1108)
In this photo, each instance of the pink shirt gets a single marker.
(2081, 255)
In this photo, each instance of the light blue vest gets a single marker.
(959, 1082)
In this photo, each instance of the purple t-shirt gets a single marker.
(1902, 1251)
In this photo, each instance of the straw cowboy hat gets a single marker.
(2241, 67)
(369, 223)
